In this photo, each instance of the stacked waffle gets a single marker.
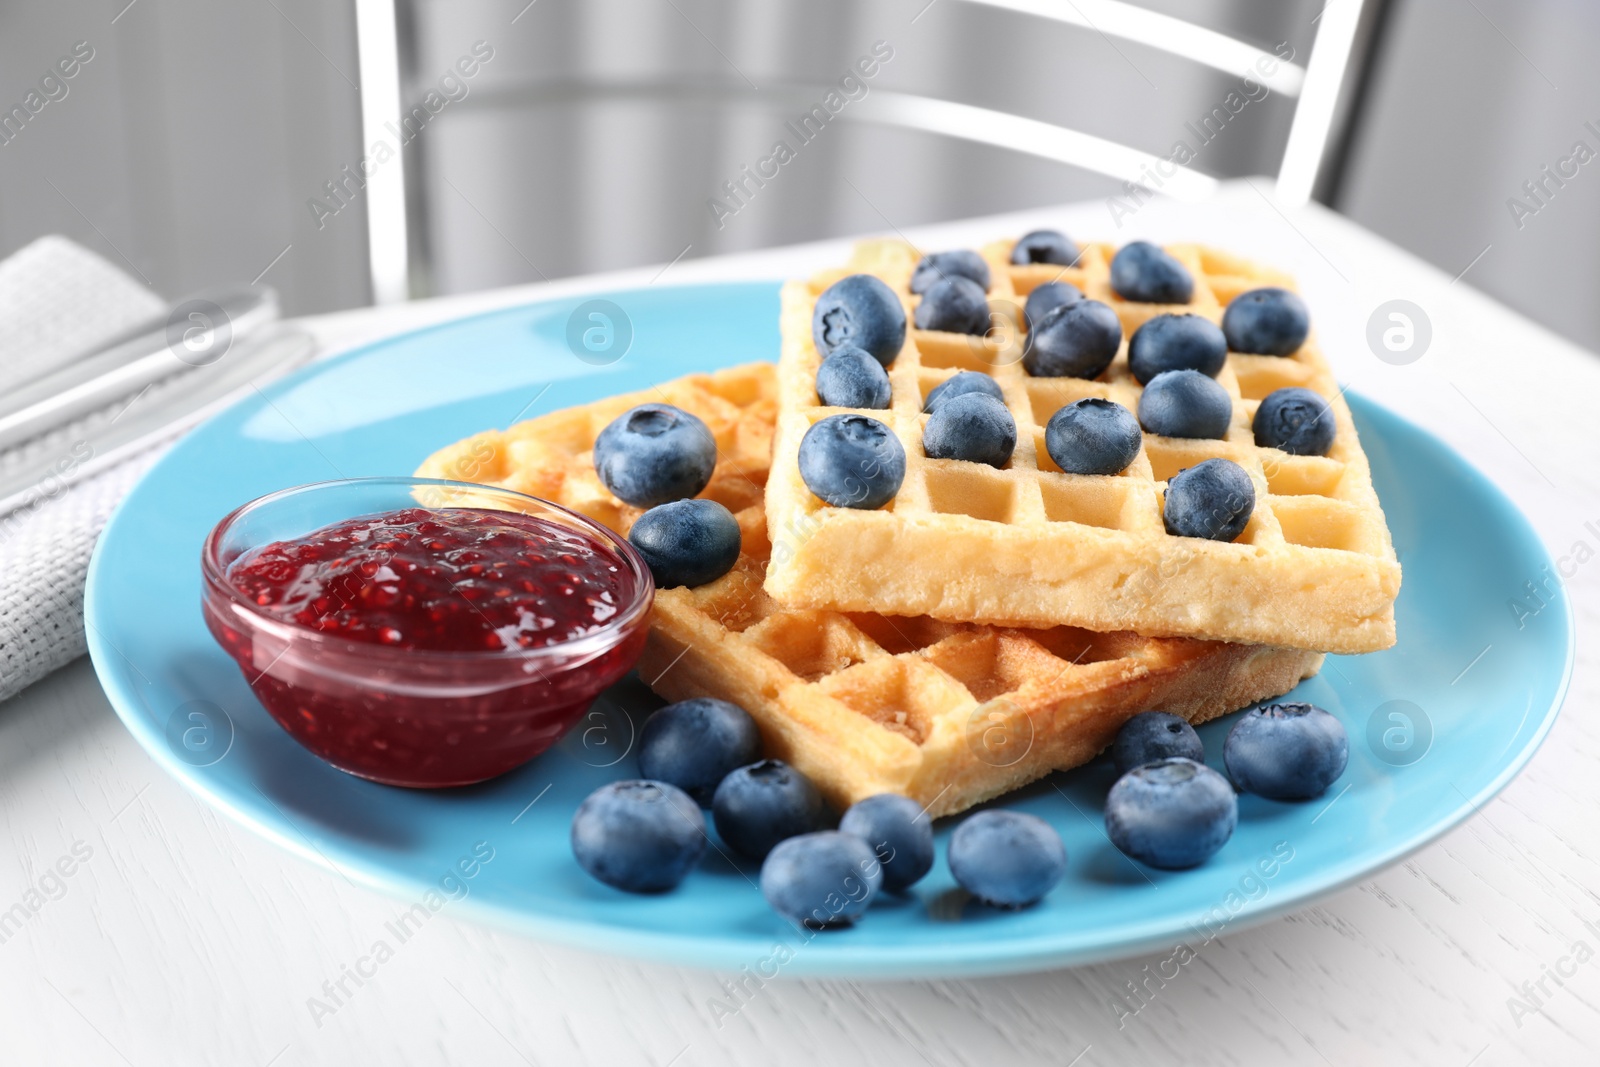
(987, 626)
(1032, 546)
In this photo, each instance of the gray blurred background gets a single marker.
(190, 147)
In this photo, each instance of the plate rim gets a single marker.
(925, 960)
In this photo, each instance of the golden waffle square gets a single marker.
(949, 714)
(1030, 545)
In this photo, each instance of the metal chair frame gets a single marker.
(1318, 87)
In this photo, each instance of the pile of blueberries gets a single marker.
(659, 457)
(859, 327)
(645, 835)
(1168, 810)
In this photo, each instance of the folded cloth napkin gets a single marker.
(58, 302)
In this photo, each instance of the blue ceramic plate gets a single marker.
(1437, 725)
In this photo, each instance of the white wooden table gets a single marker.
(181, 938)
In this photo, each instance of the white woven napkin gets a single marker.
(58, 302)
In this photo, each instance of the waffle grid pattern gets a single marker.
(1031, 545)
(950, 714)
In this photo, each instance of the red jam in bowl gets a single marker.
(429, 647)
(465, 580)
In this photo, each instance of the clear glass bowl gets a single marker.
(410, 717)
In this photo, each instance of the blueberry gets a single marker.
(1172, 814)
(655, 453)
(1046, 298)
(851, 461)
(1153, 735)
(975, 427)
(967, 381)
(821, 880)
(862, 311)
(687, 542)
(954, 305)
(1266, 322)
(1286, 751)
(1007, 858)
(1076, 340)
(851, 378)
(695, 744)
(1212, 499)
(1185, 403)
(757, 806)
(963, 262)
(1295, 420)
(1045, 246)
(1176, 342)
(1144, 273)
(639, 836)
(1093, 436)
(898, 831)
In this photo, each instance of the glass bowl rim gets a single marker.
(612, 633)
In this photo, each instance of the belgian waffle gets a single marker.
(1030, 545)
(949, 714)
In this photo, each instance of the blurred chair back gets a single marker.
(566, 138)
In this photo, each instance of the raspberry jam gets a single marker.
(429, 647)
(464, 580)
